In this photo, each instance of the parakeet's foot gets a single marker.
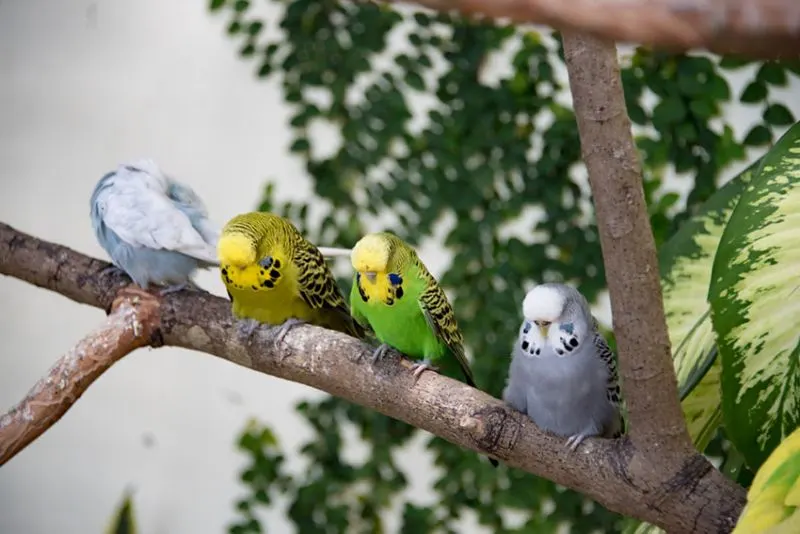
(418, 367)
(174, 288)
(287, 325)
(574, 441)
(380, 352)
(246, 327)
(111, 269)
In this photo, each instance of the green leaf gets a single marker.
(758, 135)
(215, 5)
(670, 110)
(415, 81)
(124, 520)
(773, 500)
(773, 74)
(778, 115)
(732, 63)
(685, 263)
(753, 300)
(255, 28)
(754, 92)
(638, 527)
(300, 144)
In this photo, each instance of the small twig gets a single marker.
(131, 325)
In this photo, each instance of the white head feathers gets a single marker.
(544, 303)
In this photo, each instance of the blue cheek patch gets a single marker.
(526, 328)
(569, 328)
(395, 279)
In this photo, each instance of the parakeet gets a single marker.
(396, 297)
(153, 228)
(274, 275)
(563, 374)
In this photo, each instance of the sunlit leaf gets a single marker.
(753, 300)
(685, 263)
(773, 501)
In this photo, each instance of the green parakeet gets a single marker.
(394, 294)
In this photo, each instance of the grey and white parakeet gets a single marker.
(563, 374)
(154, 228)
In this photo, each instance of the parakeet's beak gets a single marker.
(371, 276)
(543, 328)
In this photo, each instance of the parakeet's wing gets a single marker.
(318, 287)
(605, 354)
(442, 321)
(143, 217)
(189, 203)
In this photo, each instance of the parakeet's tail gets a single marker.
(207, 255)
(334, 252)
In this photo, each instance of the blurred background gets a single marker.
(348, 118)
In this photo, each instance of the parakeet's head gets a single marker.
(236, 249)
(543, 306)
(370, 256)
(556, 312)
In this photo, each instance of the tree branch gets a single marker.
(756, 28)
(618, 474)
(129, 327)
(629, 251)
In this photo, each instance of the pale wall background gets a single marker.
(84, 86)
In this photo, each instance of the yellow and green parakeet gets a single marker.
(394, 295)
(274, 275)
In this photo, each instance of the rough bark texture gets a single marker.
(129, 327)
(626, 238)
(685, 496)
(656, 425)
(756, 28)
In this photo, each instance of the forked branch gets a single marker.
(620, 475)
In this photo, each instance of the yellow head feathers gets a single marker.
(371, 254)
(236, 249)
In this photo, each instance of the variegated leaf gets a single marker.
(754, 294)
(685, 262)
(773, 501)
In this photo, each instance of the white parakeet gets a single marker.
(153, 228)
(563, 374)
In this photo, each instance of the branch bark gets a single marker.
(629, 251)
(686, 496)
(129, 327)
(758, 28)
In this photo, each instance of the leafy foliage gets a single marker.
(752, 296)
(430, 139)
(773, 502)
(686, 261)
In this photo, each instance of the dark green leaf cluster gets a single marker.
(429, 136)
